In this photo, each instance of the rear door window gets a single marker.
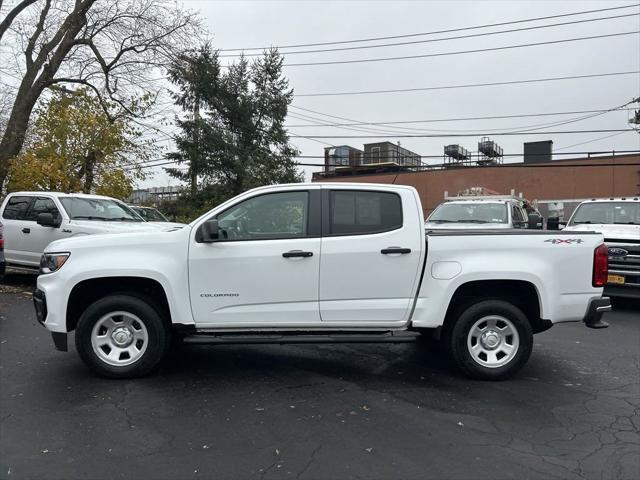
(363, 212)
(16, 208)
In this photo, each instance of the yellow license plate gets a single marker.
(619, 279)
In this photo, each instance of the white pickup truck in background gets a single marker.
(318, 262)
(484, 212)
(618, 219)
(32, 220)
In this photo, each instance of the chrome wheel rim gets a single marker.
(493, 341)
(119, 338)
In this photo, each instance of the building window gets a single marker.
(375, 155)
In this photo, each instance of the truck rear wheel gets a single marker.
(121, 336)
(491, 340)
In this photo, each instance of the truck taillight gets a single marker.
(600, 265)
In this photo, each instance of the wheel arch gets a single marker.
(85, 292)
(521, 293)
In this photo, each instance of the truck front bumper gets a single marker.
(40, 304)
(595, 310)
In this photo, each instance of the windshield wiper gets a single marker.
(626, 223)
(583, 222)
(472, 221)
(89, 217)
(442, 221)
(124, 219)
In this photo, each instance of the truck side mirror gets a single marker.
(47, 220)
(208, 232)
(534, 222)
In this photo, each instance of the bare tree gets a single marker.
(116, 48)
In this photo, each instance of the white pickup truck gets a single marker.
(309, 263)
(618, 219)
(32, 220)
(482, 212)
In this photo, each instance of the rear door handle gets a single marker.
(390, 250)
(26, 230)
(297, 253)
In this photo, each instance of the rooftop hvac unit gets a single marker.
(457, 152)
(489, 148)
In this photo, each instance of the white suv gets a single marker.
(32, 220)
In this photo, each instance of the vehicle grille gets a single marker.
(628, 265)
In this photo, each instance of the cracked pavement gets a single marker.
(322, 411)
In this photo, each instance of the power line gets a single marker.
(598, 152)
(460, 52)
(451, 30)
(621, 152)
(593, 140)
(494, 134)
(354, 129)
(468, 85)
(522, 128)
(457, 119)
(403, 130)
(458, 37)
(442, 166)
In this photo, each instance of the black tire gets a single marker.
(457, 340)
(157, 336)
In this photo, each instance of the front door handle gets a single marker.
(297, 253)
(391, 250)
(26, 230)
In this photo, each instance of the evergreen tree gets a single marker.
(234, 136)
(197, 74)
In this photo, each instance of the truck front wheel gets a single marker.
(490, 340)
(121, 336)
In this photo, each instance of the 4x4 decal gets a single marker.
(570, 241)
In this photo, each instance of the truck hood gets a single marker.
(466, 226)
(167, 225)
(117, 241)
(610, 232)
(99, 226)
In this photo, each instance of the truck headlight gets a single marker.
(51, 262)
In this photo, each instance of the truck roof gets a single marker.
(63, 194)
(613, 199)
(483, 200)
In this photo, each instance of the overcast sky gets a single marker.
(247, 24)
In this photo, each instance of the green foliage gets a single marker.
(187, 207)
(233, 136)
(77, 146)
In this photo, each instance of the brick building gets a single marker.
(563, 182)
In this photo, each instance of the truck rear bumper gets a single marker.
(595, 310)
(622, 291)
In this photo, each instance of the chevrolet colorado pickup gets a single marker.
(318, 263)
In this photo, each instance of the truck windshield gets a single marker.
(150, 214)
(79, 208)
(470, 213)
(622, 213)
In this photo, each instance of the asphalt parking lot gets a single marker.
(321, 412)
